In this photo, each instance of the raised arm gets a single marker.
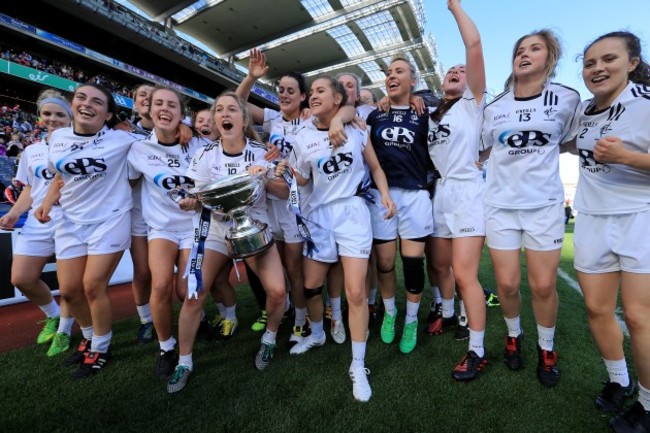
(256, 70)
(474, 63)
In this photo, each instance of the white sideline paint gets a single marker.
(575, 286)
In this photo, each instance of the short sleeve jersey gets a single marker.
(363, 111)
(454, 140)
(335, 172)
(163, 168)
(33, 171)
(94, 171)
(399, 137)
(282, 133)
(610, 189)
(525, 134)
(211, 163)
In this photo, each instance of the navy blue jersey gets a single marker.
(399, 137)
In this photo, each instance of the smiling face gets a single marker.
(203, 123)
(350, 85)
(166, 111)
(229, 118)
(399, 82)
(90, 110)
(141, 101)
(605, 69)
(454, 82)
(366, 97)
(531, 58)
(290, 96)
(54, 116)
(323, 100)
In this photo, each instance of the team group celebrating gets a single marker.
(363, 182)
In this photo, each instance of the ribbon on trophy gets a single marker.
(293, 204)
(201, 222)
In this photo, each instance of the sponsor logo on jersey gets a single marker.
(42, 172)
(589, 162)
(171, 181)
(397, 136)
(439, 135)
(284, 146)
(336, 165)
(467, 230)
(522, 141)
(84, 168)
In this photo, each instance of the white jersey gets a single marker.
(525, 134)
(335, 173)
(363, 111)
(164, 168)
(94, 171)
(212, 163)
(33, 171)
(454, 140)
(609, 189)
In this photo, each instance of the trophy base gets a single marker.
(251, 244)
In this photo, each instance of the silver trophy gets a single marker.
(232, 196)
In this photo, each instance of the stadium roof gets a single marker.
(309, 36)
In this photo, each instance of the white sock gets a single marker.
(269, 337)
(358, 354)
(514, 326)
(435, 293)
(617, 370)
(144, 311)
(336, 308)
(168, 345)
(447, 308)
(389, 305)
(317, 327)
(301, 316)
(186, 360)
(87, 332)
(101, 343)
(545, 337)
(476, 342)
(644, 397)
(222, 309)
(411, 312)
(65, 325)
(51, 310)
(373, 296)
(461, 304)
(230, 313)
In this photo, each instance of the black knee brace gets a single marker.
(310, 293)
(413, 274)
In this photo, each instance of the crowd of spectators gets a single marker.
(53, 67)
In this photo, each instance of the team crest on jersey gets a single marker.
(550, 114)
(605, 129)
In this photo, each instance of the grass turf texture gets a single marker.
(312, 393)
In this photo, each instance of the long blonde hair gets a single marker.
(249, 130)
(554, 53)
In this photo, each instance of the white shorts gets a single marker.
(612, 243)
(216, 240)
(77, 240)
(36, 239)
(540, 229)
(183, 238)
(340, 228)
(414, 218)
(458, 209)
(283, 222)
(138, 225)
